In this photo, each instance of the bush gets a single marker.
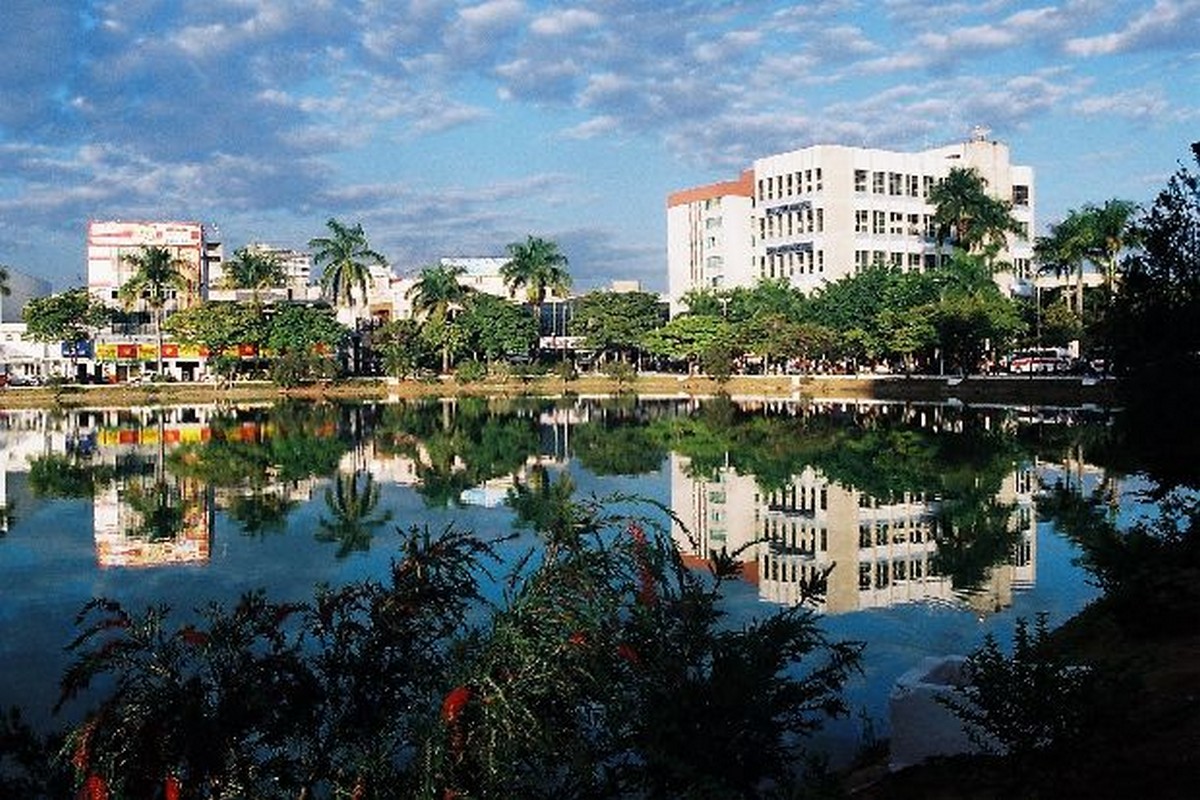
(294, 368)
(1029, 703)
(565, 371)
(471, 372)
(606, 664)
(621, 372)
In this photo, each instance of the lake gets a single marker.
(923, 516)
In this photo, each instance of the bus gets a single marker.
(1041, 359)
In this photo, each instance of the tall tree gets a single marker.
(1064, 250)
(434, 296)
(967, 217)
(255, 270)
(538, 266)
(1153, 318)
(496, 328)
(1111, 231)
(347, 258)
(5, 289)
(157, 274)
(616, 321)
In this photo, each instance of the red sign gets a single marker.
(170, 351)
(128, 351)
(247, 350)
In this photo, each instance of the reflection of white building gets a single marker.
(880, 553)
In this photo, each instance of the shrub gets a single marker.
(621, 372)
(471, 372)
(605, 665)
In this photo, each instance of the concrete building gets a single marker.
(824, 212)
(109, 244)
(297, 283)
(710, 238)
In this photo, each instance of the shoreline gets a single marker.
(972, 390)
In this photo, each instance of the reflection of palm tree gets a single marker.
(157, 509)
(352, 503)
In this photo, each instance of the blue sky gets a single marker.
(453, 127)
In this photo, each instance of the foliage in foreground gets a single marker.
(605, 669)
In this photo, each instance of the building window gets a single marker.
(862, 221)
(860, 180)
(914, 186)
(820, 261)
(896, 260)
(878, 258)
(712, 222)
(1020, 196)
(914, 262)
(820, 220)
(897, 223)
(877, 182)
(926, 185)
(820, 180)
(878, 222)
(895, 183)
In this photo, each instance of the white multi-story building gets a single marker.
(194, 245)
(710, 238)
(824, 212)
(297, 277)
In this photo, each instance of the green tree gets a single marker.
(346, 257)
(5, 289)
(1152, 324)
(71, 316)
(435, 296)
(254, 269)
(616, 322)
(401, 346)
(967, 217)
(300, 328)
(219, 327)
(157, 274)
(1065, 250)
(688, 338)
(496, 328)
(538, 266)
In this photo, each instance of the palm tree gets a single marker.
(5, 289)
(352, 503)
(347, 258)
(157, 273)
(254, 270)
(537, 265)
(434, 295)
(1110, 232)
(967, 216)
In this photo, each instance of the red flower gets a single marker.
(636, 533)
(171, 788)
(627, 652)
(83, 747)
(455, 703)
(578, 639)
(94, 788)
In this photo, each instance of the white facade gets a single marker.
(109, 244)
(297, 283)
(710, 238)
(824, 212)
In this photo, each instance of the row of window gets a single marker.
(896, 184)
(793, 223)
(792, 262)
(883, 535)
(912, 262)
(794, 536)
(799, 498)
(790, 184)
(881, 574)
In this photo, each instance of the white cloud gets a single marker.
(565, 22)
(1169, 24)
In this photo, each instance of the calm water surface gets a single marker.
(925, 513)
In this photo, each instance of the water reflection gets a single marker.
(889, 503)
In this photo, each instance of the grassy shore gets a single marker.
(977, 390)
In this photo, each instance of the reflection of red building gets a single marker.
(119, 545)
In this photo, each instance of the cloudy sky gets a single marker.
(452, 127)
